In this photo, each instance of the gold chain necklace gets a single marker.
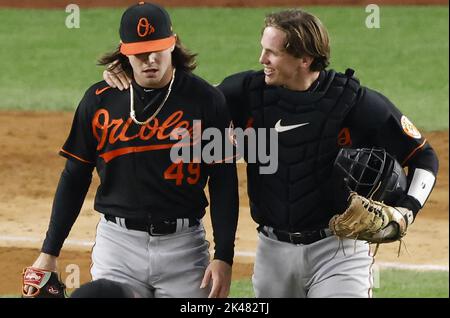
(132, 112)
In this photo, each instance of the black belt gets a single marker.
(304, 237)
(154, 228)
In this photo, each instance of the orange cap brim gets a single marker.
(147, 46)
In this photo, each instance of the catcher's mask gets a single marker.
(372, 173)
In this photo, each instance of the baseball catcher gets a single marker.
(38, 283)
(374, 180)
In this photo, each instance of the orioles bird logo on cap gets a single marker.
(144, 27)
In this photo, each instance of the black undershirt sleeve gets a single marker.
(224, 209)
(70, 194)
(223, 190)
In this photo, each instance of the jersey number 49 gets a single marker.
(175, 172)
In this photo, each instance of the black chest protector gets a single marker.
(298, 196)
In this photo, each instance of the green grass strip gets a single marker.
(389, 283)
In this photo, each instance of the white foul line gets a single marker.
(8, 238)
(414, 267)
(85, 243)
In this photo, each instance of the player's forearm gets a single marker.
(224, 206)
(70, 194)
(46, 261)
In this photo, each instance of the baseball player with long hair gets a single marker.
(150, 237)
(303, 249)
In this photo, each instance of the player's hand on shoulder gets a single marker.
(115, 76)
(219, 272)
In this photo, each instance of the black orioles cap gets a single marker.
(145, 27)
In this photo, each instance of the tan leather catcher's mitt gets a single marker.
(368, 220)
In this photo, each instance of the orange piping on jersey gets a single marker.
(371, 278)
(76, 157)
(99, 91)
(413, 152)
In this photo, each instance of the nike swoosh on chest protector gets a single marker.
(279, 128)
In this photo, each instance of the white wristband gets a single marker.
(421, 185)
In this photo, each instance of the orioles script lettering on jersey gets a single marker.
(107, 129)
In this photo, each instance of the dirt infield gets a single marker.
(31, 167)
(211, 3)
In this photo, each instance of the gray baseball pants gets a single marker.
(317, 270)
(152, 266)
